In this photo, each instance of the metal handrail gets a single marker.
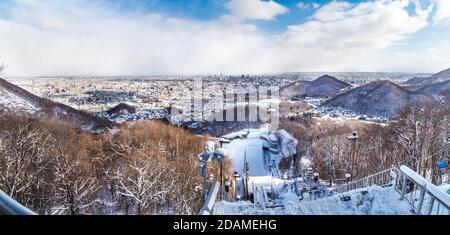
(438, 197)
(411, 176)
(211, 199)
(428, 191)
(9, 206)
(381, 178)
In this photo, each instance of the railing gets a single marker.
(423, 196)
(438, 202)
(9, 206)
(211, 199)
(382, 178)
(414, 185)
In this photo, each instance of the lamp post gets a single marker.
(209, 154)
(353, 138)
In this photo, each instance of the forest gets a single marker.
(415, 138)
(146, 167)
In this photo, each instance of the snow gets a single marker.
(143, 114)
(288, 143)
(370, 201)
(421, 181)
(11, 101)
(249, 150)
(235, 135)
(439, 193)
(251, 146)
(289, 197)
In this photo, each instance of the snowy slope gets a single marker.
(248, 146)
(15, 98)
(12, 101)
(436, 78)
(260, 148)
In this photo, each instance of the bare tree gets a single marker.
(74, 185)
(25, 160)
(145, 184)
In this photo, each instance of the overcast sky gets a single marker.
(145, 37)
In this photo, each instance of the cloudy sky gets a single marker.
(143, 37)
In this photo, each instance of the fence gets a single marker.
(383, 178)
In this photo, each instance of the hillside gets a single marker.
(381, 98)
(439, 91)
(18, 99)
(325, 86)
(436, 78)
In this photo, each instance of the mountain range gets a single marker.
(325, 87)
(380, 98)
(436, 78)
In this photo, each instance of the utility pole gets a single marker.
(353, 138)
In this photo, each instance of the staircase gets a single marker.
(391, 191)
(382, 178)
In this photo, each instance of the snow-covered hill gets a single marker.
(381, 98)
(436, 78)
(9, 100)
(324, 86)
(14, 98)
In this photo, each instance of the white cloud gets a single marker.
(46, 39)
(49, 38)
(306, 6)
(255, 9)
(442, 15)
(369, 25)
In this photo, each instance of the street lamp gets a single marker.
(209, 154)
(354, 137)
